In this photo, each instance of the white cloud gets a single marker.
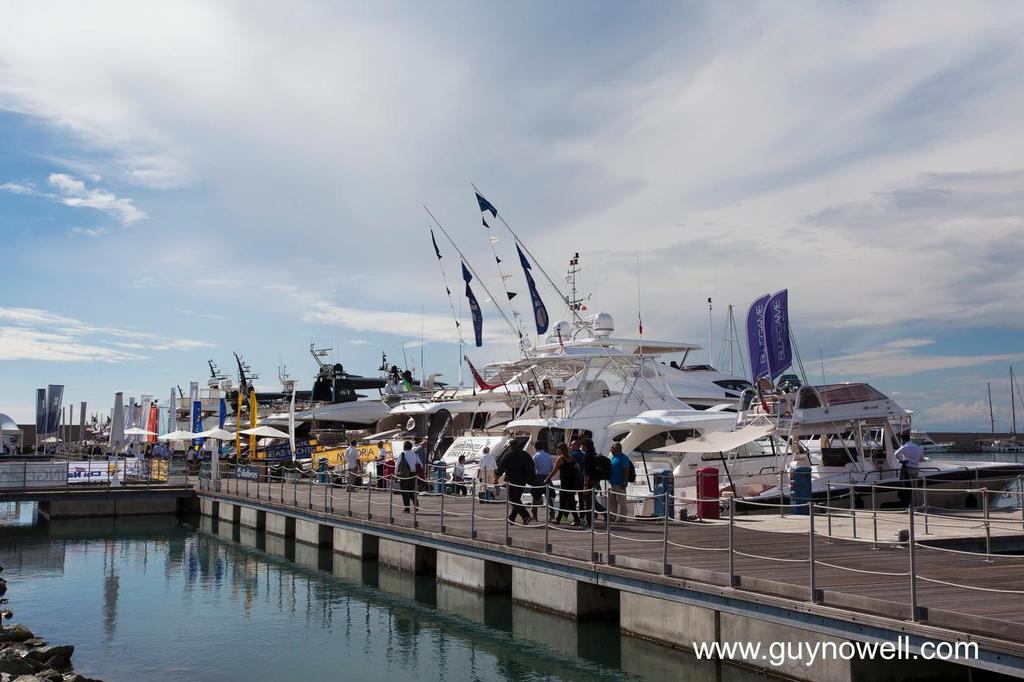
(896, 358)
(181, 344)
(17, 188)
(73, 192)
(19, 343)
(91, 232)
(144, 282)
(954, 412)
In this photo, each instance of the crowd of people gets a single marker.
(577, 467)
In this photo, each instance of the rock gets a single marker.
(16, 666)
(15, 632)
(58, 662)
(75, 677)
(35, 641)
(28, 678)
(51, 674)
(44, 653)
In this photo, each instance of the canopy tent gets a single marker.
(7, 425)
(136, 431)
(218, 434)
(53, 439)
(177, 435)
(264, 432)
(720, 441)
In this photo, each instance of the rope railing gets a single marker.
(336, 494)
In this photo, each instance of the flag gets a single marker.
(484, 221)
(474, 307)
(40, 412)
(434, 240)
(486, 205)
(223, 413)
(540, 313)
(756, 342)
(776, 327)
(54, 396)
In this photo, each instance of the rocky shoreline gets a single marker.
(27, 658)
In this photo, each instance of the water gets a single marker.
(161, 598)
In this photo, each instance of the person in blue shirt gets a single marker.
(542, 466)
(617, 503)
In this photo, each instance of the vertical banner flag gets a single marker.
(117, 421)
(154, 422)
(474, 307)
(54, 396)
(40, 412)
(172, 412)
(253, 420)
(81, 422)
(197, 412)
(777, 341)
(756, 342)
(540, 313)
(144, 403)
(222, 414)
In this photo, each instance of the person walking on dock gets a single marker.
(485, 472)
(517, 468)
(621, 467)
(569, 480)
(351, 465)
(542, 467)
(406, 473)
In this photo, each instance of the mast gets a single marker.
(1013, 408)
(991, 414)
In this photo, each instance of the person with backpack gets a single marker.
(596, 468)
(570, 478)
(406, 472)
(517, 468)
(622, 473)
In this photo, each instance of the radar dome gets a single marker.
(561, 330)
(604, 325)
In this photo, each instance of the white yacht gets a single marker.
(930, 446)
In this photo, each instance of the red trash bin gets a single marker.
(707, 493)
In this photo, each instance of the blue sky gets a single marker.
(178, 182)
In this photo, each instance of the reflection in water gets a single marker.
(168, 599)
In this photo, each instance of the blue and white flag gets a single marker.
(776, 329)
(40, 411)
(223, 414)
(756, 342)
(474, 308)
(540, 313)
(197, 412)
(54, 396)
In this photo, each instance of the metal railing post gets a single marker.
(913, 569)
(853, 507)
(608, 527)
(348, 487)
(472, 514)
(369, 502)
(782, 499)
(310, 493)
(810, 553)
(391, 503)
(924, 501)
(442, 507)
(547, 518)
(1020, 497)
(828, 509)
(415, 501)
(508, 538)
(988, 526)
(874, 519)
(732, 557)
(664, 540)
(24, 474)
(295, 489)
(593, 522)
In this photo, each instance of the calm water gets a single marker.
(160, 598)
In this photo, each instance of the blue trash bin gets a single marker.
(799, 490)
(321, 475)
(439, 473)
(664, 482)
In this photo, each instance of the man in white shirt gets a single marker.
(405, 473)
(911, 454)
(485, 474)
(351, 465)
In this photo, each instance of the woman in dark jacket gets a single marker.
(570, 480)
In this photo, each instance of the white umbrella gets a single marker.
(176, 435)
(53, 439)
(136, 431)
(219, 434)
(265, 432)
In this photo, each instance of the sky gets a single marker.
(180, 181)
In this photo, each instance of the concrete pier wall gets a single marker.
(478, 575)
(405, 556)
(572, 598)
(355, 544)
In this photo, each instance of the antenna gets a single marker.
(318, 354)
(711, 331)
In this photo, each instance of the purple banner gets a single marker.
(756, 343)
(54, 396)
(780, 350)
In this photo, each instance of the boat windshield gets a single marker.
(839, 394)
